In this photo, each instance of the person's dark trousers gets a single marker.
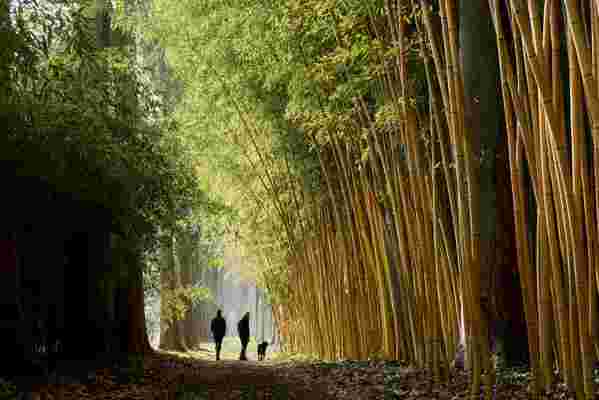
(218, 345)
(244, 345)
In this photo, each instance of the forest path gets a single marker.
(232, 379)
(189, 376)
(195, 376)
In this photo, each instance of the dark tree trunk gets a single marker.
(98, 241)
(77, 282)
(137, 336)
(509, 331)
(483, 119)
(501, 300)
(78, 294)
(128, 326)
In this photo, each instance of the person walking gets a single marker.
(218, 326)
(243, 328)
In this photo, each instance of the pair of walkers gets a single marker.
(218, 327)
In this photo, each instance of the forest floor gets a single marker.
(196, 376)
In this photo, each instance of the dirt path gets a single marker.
(241, 380)
(194, 376)
(176, 377)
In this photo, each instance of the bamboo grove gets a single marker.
(390, 257)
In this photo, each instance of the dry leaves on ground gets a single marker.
(167, 376)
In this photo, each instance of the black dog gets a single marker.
(262, 350)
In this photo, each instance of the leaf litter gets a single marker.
(175, 376)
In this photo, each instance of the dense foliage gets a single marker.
(72, 115)
(232, 108)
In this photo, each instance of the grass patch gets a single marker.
(295, 357)
(232, 347)
(230, 350)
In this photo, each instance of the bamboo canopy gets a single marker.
(399, 230)
(394, 255)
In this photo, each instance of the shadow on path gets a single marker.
(168, 376)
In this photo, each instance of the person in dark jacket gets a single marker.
(218, 326)
(243, 328)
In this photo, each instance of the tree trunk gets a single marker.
(508, 328)
(137, 336)
(501, 296)
(171, 332)
(482, 111)
(186, 250)
(124, 313)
